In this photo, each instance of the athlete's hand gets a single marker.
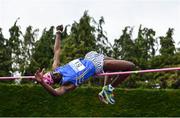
(59, 28)
(39, 75)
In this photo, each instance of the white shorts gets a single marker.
(97, 59)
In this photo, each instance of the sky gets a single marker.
(156, 14)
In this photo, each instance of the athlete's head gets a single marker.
(47, 78)
(52, 78)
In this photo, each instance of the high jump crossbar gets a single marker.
(140, 71)
(18, 77)
(106, 74)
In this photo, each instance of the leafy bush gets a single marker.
(33, 101)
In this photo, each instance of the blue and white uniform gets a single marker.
(79, 70)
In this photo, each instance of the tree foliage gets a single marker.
(15, 44)
(102, 42)
(5, 56)
(144, 46)
(28, 46)
(124, 47)
(42, 53)
(80, 40)
(167, 44)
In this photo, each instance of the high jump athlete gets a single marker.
(74, 73)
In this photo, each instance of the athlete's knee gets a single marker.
(131, 66)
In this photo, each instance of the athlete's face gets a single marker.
(47, 78)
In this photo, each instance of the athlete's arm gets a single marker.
(55, 92)
(58, 91)
(64, 89)
(57, 47)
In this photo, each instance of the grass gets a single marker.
(34, 101)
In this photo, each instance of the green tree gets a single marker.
(15, 44)
(28, 45)
(5, 56)
(42, 56)
(167, 43)
(80, 40)
(104, 46)
(123, 47)
(167, 50)
(144, 46)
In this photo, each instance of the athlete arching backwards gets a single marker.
(74, 73)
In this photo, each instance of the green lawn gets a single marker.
(34, 101)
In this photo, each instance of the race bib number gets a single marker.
(76, 65)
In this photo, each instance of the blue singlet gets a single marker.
(76, 71)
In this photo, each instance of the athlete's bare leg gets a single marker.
(115, 66)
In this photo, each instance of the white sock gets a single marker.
(110, 87)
